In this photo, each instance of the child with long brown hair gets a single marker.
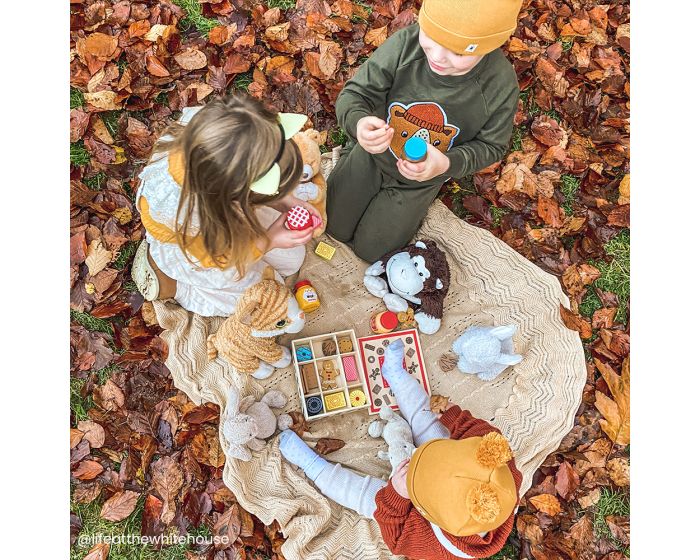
(212, 201)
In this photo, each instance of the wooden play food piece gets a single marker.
(308, 377)
(314, 405)
(335, 401)
(350, 368)
(357, 397)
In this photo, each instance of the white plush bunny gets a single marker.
(486, 351)
(248, 423)
(397, 433)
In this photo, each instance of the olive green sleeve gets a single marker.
(366, 93)
(492, 141)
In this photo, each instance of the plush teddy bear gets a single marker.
(312, 188)
(246, 339)
(248, 422)
(416, 275)
(486, 351)
(397, 433)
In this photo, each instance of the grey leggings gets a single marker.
(358, 492)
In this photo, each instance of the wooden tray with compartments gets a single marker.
(329, 374)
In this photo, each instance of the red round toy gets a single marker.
(299, 218)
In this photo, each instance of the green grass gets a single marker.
(111, 118)
(569, 187)
(516, 141)
(76, 98)
(497, 213)
(610, 503)
(105, 373)
(97, 181)
(194, 17)
(282, 4)
(366, 8)
(125, 254)
(614, 277)
(93, 524)
(552, 113)
(566, 44)
(122, 64)
(79, 405)
(90, 323)
(130, 286)
(162, 98)
(337, 136)
(242, 81)
(589, 304)
(78, 154)
(615, 273)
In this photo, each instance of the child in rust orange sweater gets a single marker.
(455, 498)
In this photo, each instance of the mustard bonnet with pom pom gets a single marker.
(463, 486)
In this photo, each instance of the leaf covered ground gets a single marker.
(145, 460)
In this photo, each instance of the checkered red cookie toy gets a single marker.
(299, 218)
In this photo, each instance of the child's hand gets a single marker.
(373, 134)
(436, 163)
(282, 238)
(398, 481)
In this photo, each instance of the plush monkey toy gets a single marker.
(416, 275)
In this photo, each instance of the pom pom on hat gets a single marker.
(482, 502)
(493, 451)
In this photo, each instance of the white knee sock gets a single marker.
(413, 401)
(349, 489)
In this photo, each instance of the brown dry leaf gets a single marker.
(279, 32)
(604, 318)
(552, 77)
(576, 323)
(438, 403)
(589, 499)
(578, 276)
(528, 526)
(206, 447)
(75, 437)
(549, 211)
(86, 493)
(119, 506)
(87, 470)
(329, 59)
(624, 188)
(149, 314)
(94, 433)
(156, 30)
(191, 59)
(227, 525)
(546, 503)
(377, 36)
(97, 257)
(299, 425)
(329, 445)
(166, 478)
(619, 527)
(567, 480)
(549, 132)
(98, 552)
(619, 470)
(156, 67)
(105, 100)
(581, 533)
(108, 396)
(99, 131)
(79, 121)
(221, 34)
(517, 177)
(616, 411)
(101, 46)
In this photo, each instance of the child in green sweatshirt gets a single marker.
(444, 81)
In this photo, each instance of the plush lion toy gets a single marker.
(312, 188)
(416, 275)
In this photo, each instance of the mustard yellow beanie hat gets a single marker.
(463, 486)
(474, 27)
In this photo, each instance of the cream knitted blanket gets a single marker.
(532, 403)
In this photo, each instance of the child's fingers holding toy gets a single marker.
(373, 134)
(436, 163)
(282, 238)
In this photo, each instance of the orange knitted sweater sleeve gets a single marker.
(407, 532)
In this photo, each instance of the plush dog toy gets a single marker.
(312, 188)
(247, 422)
(418, 276)
(247, 338)
(397, 433)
